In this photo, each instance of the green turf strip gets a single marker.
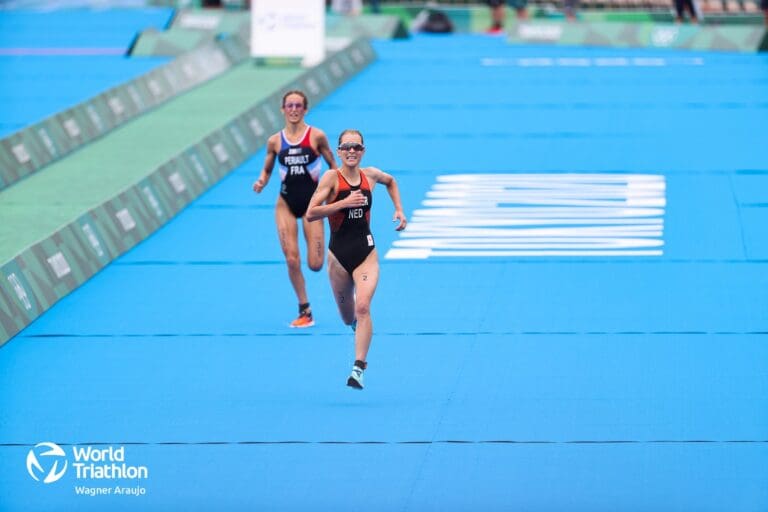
(41, 204)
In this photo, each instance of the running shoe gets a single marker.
(304, 320)
(355, 379)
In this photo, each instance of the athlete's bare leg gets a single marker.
(313, 234)
(343, 289)
(366, 277)
(288, 232)
(498, 15)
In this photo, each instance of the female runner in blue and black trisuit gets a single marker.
(297, 149)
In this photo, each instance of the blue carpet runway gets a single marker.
(50, 61)
(563, 381)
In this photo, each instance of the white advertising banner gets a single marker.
(288, 28)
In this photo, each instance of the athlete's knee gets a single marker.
(293, 261)
(348, 317)
(362, 309)
(315, 257)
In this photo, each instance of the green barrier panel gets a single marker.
(476, 18)
(739, 38)
(664, 16)
(239, 22)
(42, 274)
(212, 20)
(192, 28)
(366, 25)
(18, 302)
(30, 149)
(599, 15)
(170, 42)
(467, 18)
(764, 43)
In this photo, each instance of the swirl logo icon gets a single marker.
(43, 461)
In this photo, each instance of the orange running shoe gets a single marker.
(304, 320)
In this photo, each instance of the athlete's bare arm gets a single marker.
(389, 181)
(326, 189)
(273, 143)
(323, 147)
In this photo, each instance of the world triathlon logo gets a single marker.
(47, 462)
(107, 466)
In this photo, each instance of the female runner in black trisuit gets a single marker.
(344, 196)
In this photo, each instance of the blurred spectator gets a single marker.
(764, 5)
(685, 5)
(569, 7)
(433, 21)
(498, 13)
